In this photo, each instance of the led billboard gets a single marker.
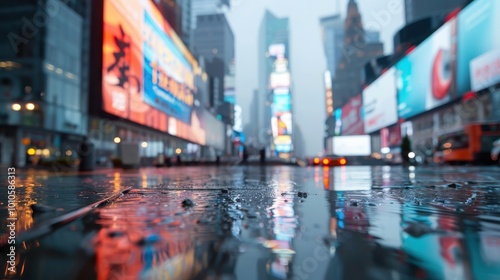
(426, 76)
(147, 73)
(478, 26)
(352, 117)
(358, 145)
(380, 102)
(282, 124)
(282, 103)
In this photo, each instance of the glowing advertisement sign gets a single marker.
(485, 70)
(426, 76)
(280, 80)
(147, 71)
(282, 103)
(478, 26)
(359, 145)
(282, 124)
(352, 117)
(380, 102)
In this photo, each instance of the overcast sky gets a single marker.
(307, 59)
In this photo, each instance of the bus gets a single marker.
(472, 144)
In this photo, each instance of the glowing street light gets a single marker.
(178, 151)
(31, 152)
(144, 144)
(16, 107)
(117, 140)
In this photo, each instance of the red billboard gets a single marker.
(147, 72)
(352, 120)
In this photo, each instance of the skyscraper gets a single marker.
(206, 7)
(417, 9)
(332, 29)
(356, 52)
(214, 40)
(41, 74)
(185, 22)
(275, 113)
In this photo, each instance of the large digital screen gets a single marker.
(147, 71)
(352, 117)
(282, 103)
(425, 77)
(380, 102)
(282, 124)
(478, 26)
(358, 145)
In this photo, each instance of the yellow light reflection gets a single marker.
(117, 182)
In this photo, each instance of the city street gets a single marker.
(251, 222)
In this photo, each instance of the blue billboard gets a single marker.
(478, 26)
(282, 103)
(425, 77)
(168, 76)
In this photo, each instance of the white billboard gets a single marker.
(380, 102)
(485, 70)
(356, 145)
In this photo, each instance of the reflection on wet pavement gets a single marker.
(266, 223)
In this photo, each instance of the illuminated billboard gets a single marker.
(380, 102)
(280, 80)
(352, 117)
(282, 124)
(147, 73)
(359, 145)
(426, 76)
(282, 103)
(478, 26)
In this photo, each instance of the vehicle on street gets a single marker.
(329, 160)
(472, 144)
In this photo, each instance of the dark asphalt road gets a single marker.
(237, 222)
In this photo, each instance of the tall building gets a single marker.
(206, 7)
(214, 40)
(275, 113)
(417, 9)
(372, 36)
(171, 11)
(44, 111)
(185, 22)
(356, 52)
(332, 31)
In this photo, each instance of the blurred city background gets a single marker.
(207, 80)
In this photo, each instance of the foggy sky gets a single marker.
(307, 59)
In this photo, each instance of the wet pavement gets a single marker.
(245, 222)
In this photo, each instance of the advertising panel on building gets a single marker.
(147, 73)
(426, 76)
(358, 145)
(485, 70)
(379, 102)
(352, 117)
(281, 120)
(478, 45)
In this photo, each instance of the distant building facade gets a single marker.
(275, 98)
(418, 9)
(357, 51)
(44, 112)
(332, 31)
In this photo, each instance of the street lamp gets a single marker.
(144, 144)
(117, 140)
